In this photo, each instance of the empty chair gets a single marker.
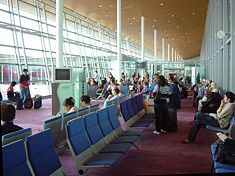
(226, 131)
(14, 136)
(14, 160)
(42, 154)
(98, 141)
(94, 108)
(80, 148)
(115, 123)
(55, 124)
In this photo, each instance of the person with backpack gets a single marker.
(161, 94)
(24, 85)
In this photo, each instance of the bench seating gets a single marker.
(226, 131)
(220, 167)
(14, 136)
(94, 142)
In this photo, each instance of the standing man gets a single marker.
(96, 76)
(24, 85)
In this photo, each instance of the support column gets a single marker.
(59, 34)
(155, 44)
(172, 53)
(168, 52)
(119, 40)
(175, 55)
(163, 49)
(142, 38)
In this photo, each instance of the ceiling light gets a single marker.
(153, 26)
(186, 33)
(178, 27)
(169, 21)
(161, 4)
(111, 6)
(155, 20)
(194, 13)
(100, 6)
(172, 15)
(133, 18)
(130, 23)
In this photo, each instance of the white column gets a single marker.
(175, 55)
(168, 52)
(119, 40)
(172, 53)
(142, 38)
(163, 48)
(155, 44)
(59, 34)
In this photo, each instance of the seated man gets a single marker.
(221, 119)
(8, 113)
(114, 95)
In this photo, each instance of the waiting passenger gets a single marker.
(221, 119)
(85, 100)
(114, 95)
(161, 107)
(69, 104)
(8, 113)
(14, 96)
(24, 85)
(150, 89)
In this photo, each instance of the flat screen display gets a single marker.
(62, 75)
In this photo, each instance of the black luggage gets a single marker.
(37, 102)
(172, 120)
(28, 104)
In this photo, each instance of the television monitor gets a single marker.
(62, 75)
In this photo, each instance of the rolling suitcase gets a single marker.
(172, 120)
(37, 102)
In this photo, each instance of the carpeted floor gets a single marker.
(157, 154)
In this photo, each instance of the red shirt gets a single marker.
(10, 89)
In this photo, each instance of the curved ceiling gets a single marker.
(180, 22)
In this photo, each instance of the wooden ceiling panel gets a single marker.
(180, 22)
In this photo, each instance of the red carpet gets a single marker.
(157, 154)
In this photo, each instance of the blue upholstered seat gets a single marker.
(134, 104)
(130, 108)
(124, 111)
(106, 159)
(14, 159)
(94, 108)
(113, 118)
(42, 154)
(14, 136)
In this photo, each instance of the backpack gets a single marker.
(225, 152)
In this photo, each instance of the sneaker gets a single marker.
(156, 132)
(163, 131)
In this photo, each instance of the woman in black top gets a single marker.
(7, 116)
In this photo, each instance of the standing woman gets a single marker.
(160, 105)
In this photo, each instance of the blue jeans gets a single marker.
(24, 94)
(201, 119)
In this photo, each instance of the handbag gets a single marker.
(225, 152)
(157, 98)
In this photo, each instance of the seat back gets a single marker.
(109, 103)
(94, 108)
(130, 107)
(104, 124)
(231, 125)
(114, 121)
(125, 89)
(140, 102)
(94, 132)
(134, 104)
(124, 111)
(55, 124)
(14, 160)
(83, 111)
(78, 140)
(42, 154)
(92, 91)
(14, 136)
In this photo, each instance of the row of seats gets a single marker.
(97, 139)
(34, 156)
(58, 124)
(220, 167)
(117, 101)
(132, 111)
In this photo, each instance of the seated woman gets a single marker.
(8, 113)
(221, 119)
(85, 100)
(69, 104)
(120, 90)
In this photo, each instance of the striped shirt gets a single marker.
(164, 90)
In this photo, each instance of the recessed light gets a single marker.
(100, 6)
(186, 33)
(169, 21)
(178, 27)
(161, 4)
(130, 23)
(153, 26)
(194, 13)
(133, 18)
(155, 20)
(111, 5)
(172, 15)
